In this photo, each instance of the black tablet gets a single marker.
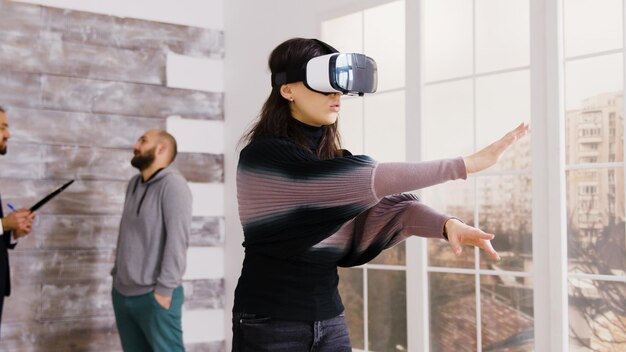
(51, 195)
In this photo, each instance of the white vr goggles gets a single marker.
(346, 73)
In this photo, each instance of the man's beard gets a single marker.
(144, 161)
(3, 149)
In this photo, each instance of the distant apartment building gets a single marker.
(595, 215)
(595, 134)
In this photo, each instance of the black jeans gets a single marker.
(254, 333)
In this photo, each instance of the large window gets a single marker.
(375, 294)
(476, 87)
(479, 68)
(594, 148)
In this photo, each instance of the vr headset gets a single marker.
(346, 73)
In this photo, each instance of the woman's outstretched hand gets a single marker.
(460, 234)
(490, 155)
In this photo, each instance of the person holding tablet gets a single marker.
(16, 224)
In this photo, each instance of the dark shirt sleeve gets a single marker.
(394, 178)
(290, 200)
(391, 221)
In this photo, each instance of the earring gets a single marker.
(291, 99)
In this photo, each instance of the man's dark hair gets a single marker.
(2, 109)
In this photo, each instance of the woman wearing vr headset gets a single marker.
(307, 206)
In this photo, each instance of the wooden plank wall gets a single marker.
(79, 89)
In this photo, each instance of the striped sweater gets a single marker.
(302, 217)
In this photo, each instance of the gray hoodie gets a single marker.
(154, 235)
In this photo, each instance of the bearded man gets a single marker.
(152, 249)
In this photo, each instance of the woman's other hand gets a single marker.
(460, 234)
(490, 155)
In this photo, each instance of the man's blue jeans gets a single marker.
(254, 333)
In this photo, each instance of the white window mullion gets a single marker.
(622, 278)
(363, 98)
(548, 200)
(479, 340)
(417, 295)
(478, 330)
(366, 341)
(476, 270)
(416, 248)
(365, 310)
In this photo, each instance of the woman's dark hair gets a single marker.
(275, 117)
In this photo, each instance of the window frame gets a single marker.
(548, 171)
(418, 271)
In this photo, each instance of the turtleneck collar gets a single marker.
(312, 133)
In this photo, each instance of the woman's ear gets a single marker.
(286, 92)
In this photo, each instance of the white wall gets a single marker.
(196, 13)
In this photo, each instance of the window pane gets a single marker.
(384, 126)
(392, 256)
(592, 26)
(505, 210)
(447, 39)
(507, 322)
(595, 213)
(454, 198)
(586, 80)
(452, 312)
(597, 315)
(447, 116)
(595, 133)
(502, 34)
(351, 291)
(344, 33)
(384, 41)
(502, 103)
(387, 310)
(351, 124)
